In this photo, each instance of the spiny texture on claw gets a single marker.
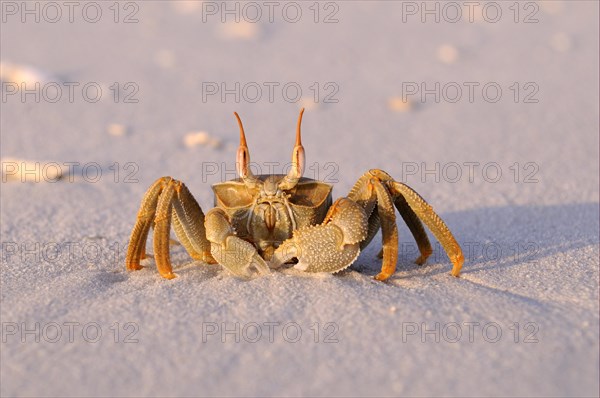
(322, 249)
(331, 246)
(351, 219)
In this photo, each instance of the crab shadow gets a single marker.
(494, 238)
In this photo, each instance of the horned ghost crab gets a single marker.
(261, 222)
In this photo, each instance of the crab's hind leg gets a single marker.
(439, 229)
(330, 246)
(389, 230)
(416, 229)
(233, 253)
(415, 226)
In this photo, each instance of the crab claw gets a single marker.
(328, 247)
(233, 253)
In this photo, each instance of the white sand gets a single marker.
(534, 246)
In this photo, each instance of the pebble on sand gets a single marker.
(398, 104)
(551, 7)
(447, 53)
(196, 138)
(561, 42)
(239, 30)
(21, 74)
(165, 59)
(19, 170)
(186, 6)
(116, 129)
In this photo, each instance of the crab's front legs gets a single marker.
(330, 246)
(233, 253)
(166, 201)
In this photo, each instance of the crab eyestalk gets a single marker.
(242, 163)
(295, 173)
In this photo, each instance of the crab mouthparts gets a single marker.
(270, 217)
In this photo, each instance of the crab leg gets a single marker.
(166, 201)
(374, 197)
(416, 228)
(233, 253)
(137, 243)
(181, 235)
(188, 223)
(424, 211)
(389, 230)
(162, 227)
(362, 193)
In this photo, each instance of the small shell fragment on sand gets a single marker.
(186, 6)
(561, 42)
(215, 143)
(238, 30)
(551, 7)
(19, 170)
(196, 138)
(116, 129)
(447, 53)
(398, 104)
(22, 74)
(165, 59)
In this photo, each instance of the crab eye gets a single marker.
(232, 195)
(310, 194)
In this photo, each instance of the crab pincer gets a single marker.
(330, 246)
(237, 255)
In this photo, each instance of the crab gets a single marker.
(261, 222)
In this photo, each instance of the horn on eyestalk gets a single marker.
(242, 163)
(295, 173)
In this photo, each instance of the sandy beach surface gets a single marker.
(489, 111)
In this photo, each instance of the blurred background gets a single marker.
(167, 69)
(488, 109)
